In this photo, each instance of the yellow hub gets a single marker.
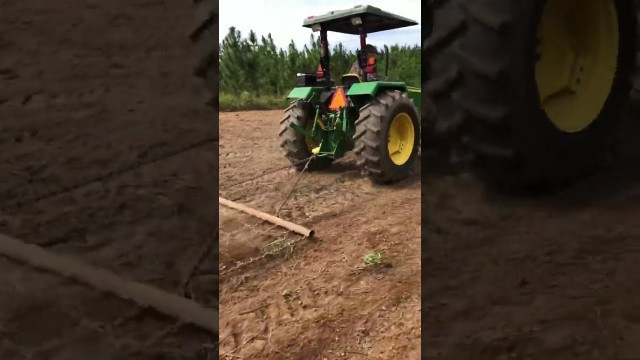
(578, 49)
(401, 139)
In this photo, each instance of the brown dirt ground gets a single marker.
(545, 278)
(316, 301)
(108, 154)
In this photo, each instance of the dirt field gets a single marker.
(317, 299)
(547, 278)
(108, 154)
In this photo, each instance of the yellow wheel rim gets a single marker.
(401, 139)
(578, 50)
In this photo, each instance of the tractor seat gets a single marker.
(350, 79)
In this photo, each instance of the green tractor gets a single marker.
(376, 119)
(528, 93)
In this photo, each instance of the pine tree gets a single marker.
(258, 67)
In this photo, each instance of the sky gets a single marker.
(283, 19)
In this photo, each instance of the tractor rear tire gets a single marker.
(205, 37)
(295, 145)
(372, 137)
(481, 79)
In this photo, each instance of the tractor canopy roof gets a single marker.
(348, 21)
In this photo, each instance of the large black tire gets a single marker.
(480, 79)
(372, 135)
(293, 143)
(205, 37)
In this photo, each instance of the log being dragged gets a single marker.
(144, 295)
(267, 217)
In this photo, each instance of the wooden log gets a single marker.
(144, 295)
(267, 217)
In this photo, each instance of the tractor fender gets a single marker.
(372, 88)
(361, 93)
(305, 93)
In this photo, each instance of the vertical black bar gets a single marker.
(326, 56)
(427, 28)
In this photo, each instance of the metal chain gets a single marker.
(286, 198)
(267, 173)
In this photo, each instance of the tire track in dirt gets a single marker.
(131, 224)
(319, 301)
(338, 305)
(112, 174)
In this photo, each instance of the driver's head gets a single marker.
(371, 50)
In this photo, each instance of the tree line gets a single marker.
(257, 66)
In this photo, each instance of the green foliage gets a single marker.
(373, 258)
(248, 101)
(255, 74)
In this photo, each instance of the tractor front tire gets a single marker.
(387, 137)
(297, 147)
(531, 90)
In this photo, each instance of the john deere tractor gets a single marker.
(528, 92)
(364, 112)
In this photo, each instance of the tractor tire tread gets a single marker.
(444, 83)
(293, 144)
(478, 114)
(486, 17)
(371, 140)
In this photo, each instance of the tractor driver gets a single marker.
(371, 55)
